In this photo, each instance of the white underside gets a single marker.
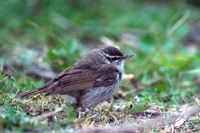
(96, 95)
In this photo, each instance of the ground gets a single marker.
(159, 92)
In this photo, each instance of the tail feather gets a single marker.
(25, 94)
(48, 87)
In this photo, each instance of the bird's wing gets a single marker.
(107, 76)
(74, 80)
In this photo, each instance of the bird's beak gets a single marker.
(127, 56)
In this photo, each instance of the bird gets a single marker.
(90, 80)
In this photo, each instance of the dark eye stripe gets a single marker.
(112, 59)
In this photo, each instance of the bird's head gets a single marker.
(114, 55)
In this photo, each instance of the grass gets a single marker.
(42, 34)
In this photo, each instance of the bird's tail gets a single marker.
(28, 93)
(45, 88)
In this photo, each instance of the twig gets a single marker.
(41, 73)
(113, 117)
(185, 114)
(107, 41)
(48, 114)
(156, 113)
(6, 77)
(128, 77)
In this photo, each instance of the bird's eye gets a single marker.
(115, 58)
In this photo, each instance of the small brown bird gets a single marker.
(91, 80)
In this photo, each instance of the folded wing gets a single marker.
(75, 80)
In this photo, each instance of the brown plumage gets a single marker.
(89, 79)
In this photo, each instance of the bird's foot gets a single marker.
(88, 111)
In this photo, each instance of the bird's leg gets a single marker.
(85, 111)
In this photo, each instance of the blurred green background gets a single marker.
(51, 35)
